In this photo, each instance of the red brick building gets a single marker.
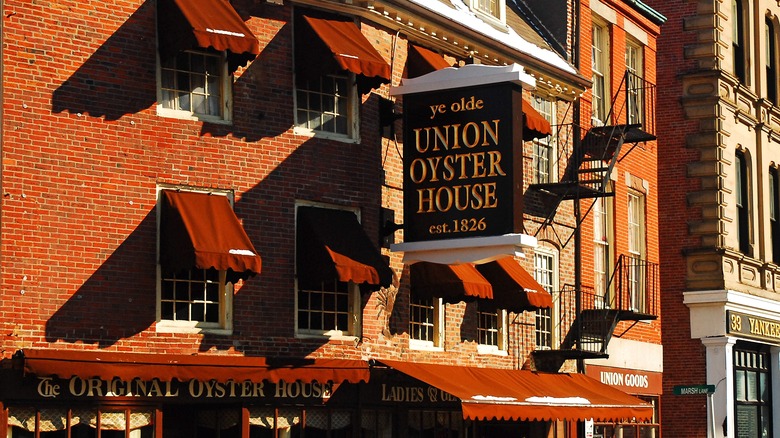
(615, 196)
(201, 213)
(718, 120)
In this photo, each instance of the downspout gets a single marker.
(576, 154)
(2, 119)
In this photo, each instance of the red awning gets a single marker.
(199, 230)
(349, 48)
(534, 124)
(452, 283)
(421, 61)
(188, 24)
(502, 394)
(166, 367)
(514, 289)
(331, 244)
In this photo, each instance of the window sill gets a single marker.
(186, 115)
(415, 344)
(332, 337)
(180, 329)
(491, 350)
(325, 135)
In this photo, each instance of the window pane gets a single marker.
(752, 386)
(740, 385)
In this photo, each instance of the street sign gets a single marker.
(694, 389)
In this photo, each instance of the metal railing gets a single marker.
(631, 294)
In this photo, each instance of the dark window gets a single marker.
(738, 41)
(774, 221)
(743, 205)
(771, 62)
(752, 393)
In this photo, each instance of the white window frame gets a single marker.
(225, 325)
(548, 109)
(500, 330)
(225, 84)
(546, 274)
(354, 302)
(603, 248)
(637, 249)
(600, 71)
(635, 64)
(482, 9)
(437, 343)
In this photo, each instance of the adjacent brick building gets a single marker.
(718, 121)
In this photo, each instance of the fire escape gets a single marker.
(584, 319)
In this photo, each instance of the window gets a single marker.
(602, 247)
(324, 104)
(600, 65)
(634, 83)
(192, 299)
(632, 429)
(544, 154)
(425, 322)
(493, 9)
(545, 264)
(774, 220)
(80, 421)
(739, 40)
(326, 96)
(636, 251)
(742, 194)
(193, 78)
(771, 61)
(752, 393)
(326, 307)
(491, 325)
(195, 84)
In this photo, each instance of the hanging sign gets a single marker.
(463, 162)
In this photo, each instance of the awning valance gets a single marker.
(199, 230)
(166, 367)
(338, 42)
(514, 289)
(331, 244)
(189, 24)
(451, 283)
(534, 124)
(503, 394)
(420, 61)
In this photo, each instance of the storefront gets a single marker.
(81, 394)
(742, 350)
(644, 385)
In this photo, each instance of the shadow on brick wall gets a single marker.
(118, 300)
(119, 78)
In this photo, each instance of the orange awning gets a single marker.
(199, 230)
(514, 289)
(349, 48)
(452, 283)
(420, 61)
(534, 124)
(187, 24)
(502, 394)
(166, 367)
(332, 245)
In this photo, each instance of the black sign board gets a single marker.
(463, 169)
(751, 326)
